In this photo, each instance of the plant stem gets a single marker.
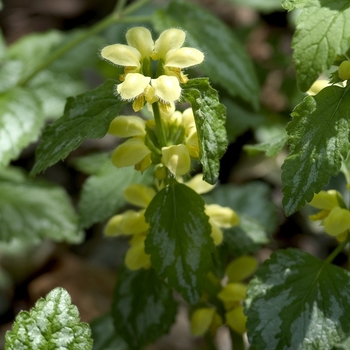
(237, 341)
(337, 250)
(113, 18)
(119, 6)
(159, 125)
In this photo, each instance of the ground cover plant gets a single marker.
(183, 96)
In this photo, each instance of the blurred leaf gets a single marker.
(91, 163)
(85, 116)
(105, 336)
(21, 120)
(322, 33)
(239, 120)
(294, 4)
(53, 323)
(263, 6)
(102, 193)
(226, 61)
(210, 116)
(319, 139)
(179, 240)
(297, 301)
(344, 345)
(10, 73)
(271, 148)
(143, 307)
(257, 213)
(32, 211)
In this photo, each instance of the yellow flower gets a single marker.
(127, 126)
(204, 319)
(177, 159)
(168, 49)
(236, 319)
(135, 257)
(335, 218)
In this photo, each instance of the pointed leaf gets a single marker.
(35, 210)
(21, 120)
(102, 194)
(297, 301)
(143, 307)
(226, 61)
(179, 239)
(85, 116)
(53, 323)
(210, 116)
(318, 138)
(322, 33)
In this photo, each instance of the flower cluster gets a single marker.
(133, 223)
(334, 214)
(232, 296)
(140, 83)
(143, 149)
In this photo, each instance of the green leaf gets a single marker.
(53, 323)
(210, 116)
(263, 6)
(257, 213)
(297, 301)
(319, 139)
(85, 116)
(344, 345)
(102, 194)
(91, 163)
(179, 240)
(226, 61)
(105, 336)
(10, 74)
(143, 307)
(271, 148)
(295, 4)
(21, 120)
(322, 33)
(35, 210)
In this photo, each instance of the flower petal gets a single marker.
(199, 185)
(222, 216)
(129, 153)
(201, 320)
(136, 258)
(134, 222)
(113, 227)
(236, 319)
(127, 126)
(183, 58)
(216, 233)
(325, 199)
(139, 195)
(141, 39)
(167, 88)
(241, 268)
(337, 221)
(133, 86)
(122, 55)
(169, 39)
(177, 159)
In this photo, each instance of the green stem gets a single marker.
(237, 341)
(98, 27)
(119, 6)
(337, 250)
(159, 125)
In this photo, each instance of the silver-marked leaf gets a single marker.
(297, 301)
(179, 240)
(102, 193)
(10, 73)
(53, 323)
(271, 147)
(319, 139)
(143, 307)
(21, 120)
(85, 116)
(226, 62)
(322, 33)
(296, 4)
(32, 211)
(210, 116)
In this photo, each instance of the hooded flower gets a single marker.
(334, 214)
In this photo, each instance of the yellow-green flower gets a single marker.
(335, 217)
(204, 319)
(177, 159)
